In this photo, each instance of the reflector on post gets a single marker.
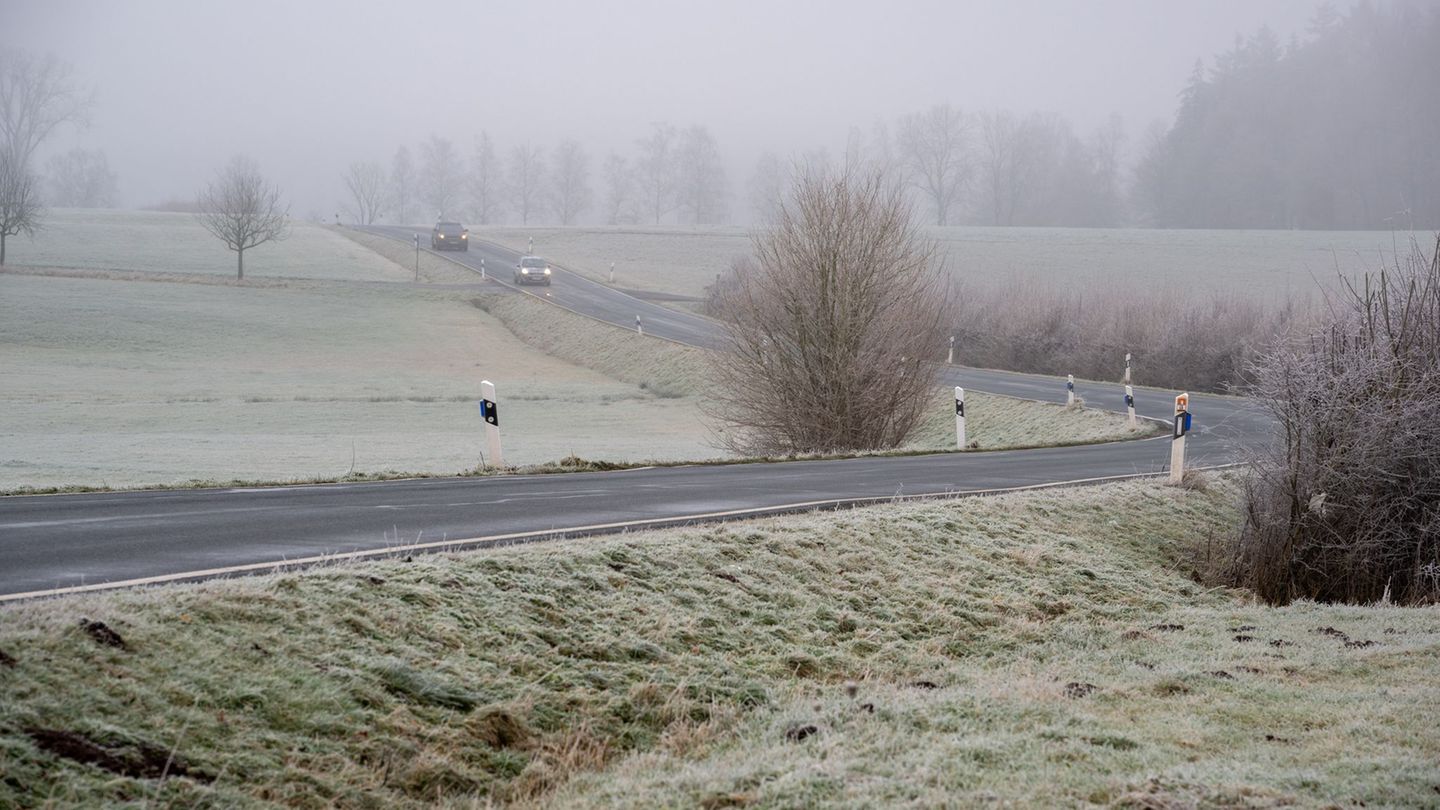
(1177, 438)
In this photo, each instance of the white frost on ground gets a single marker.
(128, 383)
(684, 260)
(152, 241)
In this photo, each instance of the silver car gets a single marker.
(532, 270)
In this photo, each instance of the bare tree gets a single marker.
(366, 183)
(242, 210)
(402, 184)
(526, 179)
(767, 187)
(934, 147)
(619, 191)
(570, 181)
(700, 177)
(36, 98)
(655, 171)
(19, 200)
(80, 178)
(486, 183)
(833, 326)
(1002, 167)
(441, 175)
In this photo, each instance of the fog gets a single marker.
(307, 88)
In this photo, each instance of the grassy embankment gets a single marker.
(1046, 649)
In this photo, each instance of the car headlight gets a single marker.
(464, 236)
(547, 271)
(524, 271)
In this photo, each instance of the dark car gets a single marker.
(449, 236)
(532, 270)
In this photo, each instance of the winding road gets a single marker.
(57, 544)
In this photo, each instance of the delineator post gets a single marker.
(1177, 438)
(959, 418)
(490, 412)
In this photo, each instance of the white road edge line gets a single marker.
(390, 551)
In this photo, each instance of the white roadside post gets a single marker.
(959, 418)
(490, 412)
(950, 358)
(530, 247)
(1127, 368)
(1130, 404)
(417, 257)
(482, 268)
(639, 327)
(1070, 389)
(1177, 438)
(612, 272)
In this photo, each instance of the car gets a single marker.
(532, 270)
(450, 236)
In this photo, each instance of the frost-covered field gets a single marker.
(130, 383)
(152, 241)
(1264, 263)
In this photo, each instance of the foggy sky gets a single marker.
(305, 90)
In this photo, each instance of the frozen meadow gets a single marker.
(1267, 264)
(156, 369)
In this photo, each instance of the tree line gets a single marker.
(993, 167)
(674, 175)
(1336, 129)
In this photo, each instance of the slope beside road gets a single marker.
(65, 543)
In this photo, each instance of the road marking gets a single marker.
(595, 528)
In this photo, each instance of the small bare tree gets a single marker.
(935, 148)
(486, 183)
(36, 98)
(242, 210)
(19, 200)
(833, 325)
(655, 171)
(366, 183)
(767, 187)
(402, 184)
(526, 176)
(620, 202)
(80, 178)
(570, 181)
(442, 176)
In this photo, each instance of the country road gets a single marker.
(63, 543)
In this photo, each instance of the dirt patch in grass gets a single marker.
(137, 761)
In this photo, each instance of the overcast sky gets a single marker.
(307, 87)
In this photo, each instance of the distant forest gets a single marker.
(1338, 129)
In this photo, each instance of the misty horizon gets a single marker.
(305, 92)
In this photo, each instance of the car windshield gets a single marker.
(532, 262)
(450, 226)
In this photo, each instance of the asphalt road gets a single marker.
(88, 541)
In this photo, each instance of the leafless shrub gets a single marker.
(242, 210)
(1196, 343)
(830, 325)
(1346, 505)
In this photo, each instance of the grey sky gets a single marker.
(307, 87)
